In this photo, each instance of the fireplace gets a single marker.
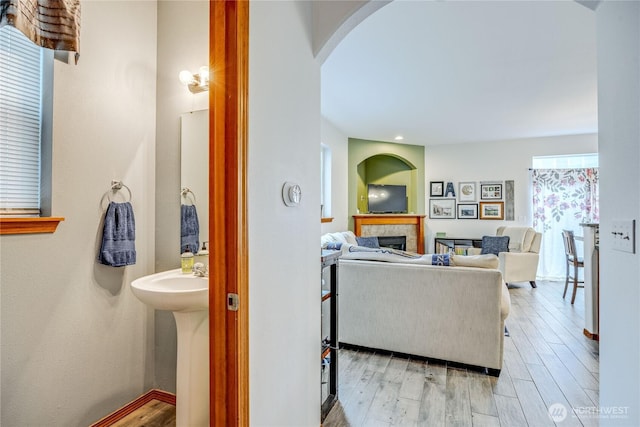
(394, 242)
(410, 226)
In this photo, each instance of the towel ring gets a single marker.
(117, 186)
(185, 192)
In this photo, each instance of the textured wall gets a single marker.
(618, 112)
(284, 145)
(76, 343)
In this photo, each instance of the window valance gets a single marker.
(53, 24)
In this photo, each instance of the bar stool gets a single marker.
(572, 261)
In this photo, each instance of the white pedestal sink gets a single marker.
(187, 296)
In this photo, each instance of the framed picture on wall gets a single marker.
(491, 210)
(442, 208)
(437, 189)
(467, 192)
(467, 211)
(491, 191)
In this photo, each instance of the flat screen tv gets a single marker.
(387, 198)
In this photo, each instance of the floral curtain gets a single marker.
(53, 24)
(562, 200)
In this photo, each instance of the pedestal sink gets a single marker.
(187, 296)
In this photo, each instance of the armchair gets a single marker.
(520, 264)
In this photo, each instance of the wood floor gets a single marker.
(548, 363)
(153, 414)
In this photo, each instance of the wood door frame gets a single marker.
(228, 266)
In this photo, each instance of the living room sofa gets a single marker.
(402, 305)
(455, 314)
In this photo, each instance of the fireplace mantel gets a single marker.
(370, 225)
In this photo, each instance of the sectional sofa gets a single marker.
(400, 303)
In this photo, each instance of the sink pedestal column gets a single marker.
(192, 373)
(187, 296)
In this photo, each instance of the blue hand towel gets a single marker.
(118, 236)
(189, 229)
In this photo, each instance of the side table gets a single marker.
(329, 352)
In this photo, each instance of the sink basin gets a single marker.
(173, 291)
(187, 296)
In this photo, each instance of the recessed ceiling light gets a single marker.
(399, 138)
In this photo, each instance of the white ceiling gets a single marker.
(465, 71)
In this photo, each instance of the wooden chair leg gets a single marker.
(533, 284)
(566, 282)
(575, 284)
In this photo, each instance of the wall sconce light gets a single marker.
(196, 82)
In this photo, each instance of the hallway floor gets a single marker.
(548, 363)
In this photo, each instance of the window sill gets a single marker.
(29, 225)
(323, 220)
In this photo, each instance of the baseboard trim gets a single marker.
(591, 336)
(153, 394)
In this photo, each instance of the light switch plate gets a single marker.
(623, 232)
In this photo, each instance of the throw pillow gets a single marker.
(440, 259)
(368, 242)
(494, 244)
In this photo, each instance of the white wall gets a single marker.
(333, 20)
(284, 270)
(500, 160)
(183, 44)
(618, 26)
(338, 142)
(76, 343)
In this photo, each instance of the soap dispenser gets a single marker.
(186, 261)
(203, 255)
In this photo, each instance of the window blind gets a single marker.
(20, 123)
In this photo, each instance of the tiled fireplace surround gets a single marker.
(410, 226)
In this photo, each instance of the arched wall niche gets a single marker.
(386, 169)
(379, 162)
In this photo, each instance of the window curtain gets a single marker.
(53, 24)
(562, 200)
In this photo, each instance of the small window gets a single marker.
(325, 181)
(25, 125)
(568, 161)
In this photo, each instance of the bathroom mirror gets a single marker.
(194, 173)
